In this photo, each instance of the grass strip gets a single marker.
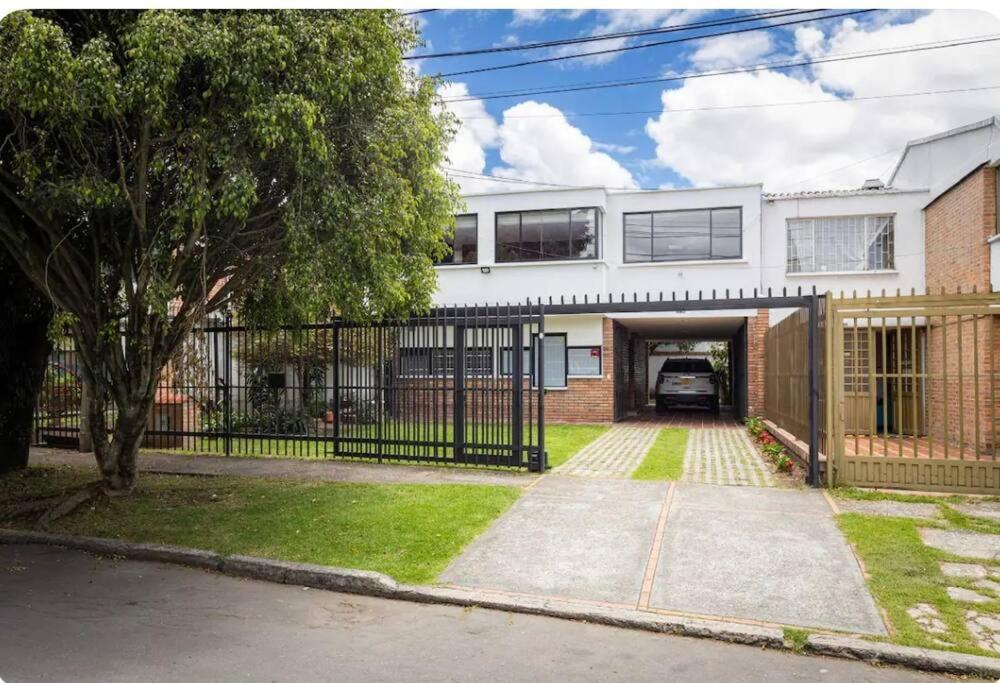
(665, 460)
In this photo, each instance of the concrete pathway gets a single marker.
(77, 617)
(290, 468)
(745, 553)
(724, 456)
(616, 453)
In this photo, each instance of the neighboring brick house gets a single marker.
(569, 244)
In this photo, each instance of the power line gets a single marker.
(919, 47)
(621, 34)
(658, 43)
(419, 11)
(741, 106)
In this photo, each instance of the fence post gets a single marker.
(813, 350)
(540, 461)
(336, 386)
(517, 390)
(227, 380)
(458, 390)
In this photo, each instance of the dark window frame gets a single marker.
(452, 244)
(600, 359)
(598, 230)
(710, 209)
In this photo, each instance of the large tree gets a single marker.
(168, 162)
(24, 346)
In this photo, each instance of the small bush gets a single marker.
(755, 425)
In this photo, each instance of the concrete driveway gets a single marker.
(745, 553)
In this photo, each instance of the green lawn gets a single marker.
(410, 532)
(904, 572)
(564, 441)
(665, 460)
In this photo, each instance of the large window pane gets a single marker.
(684, 235)
(508, 245)
(840, 244)
(465, 242)
(681, 235)
(551, 234)
(583, 234)
(727, 232)
(638, 237)
(555, 233)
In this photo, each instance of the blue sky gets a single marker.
(802, 144)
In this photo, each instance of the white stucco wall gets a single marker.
(606, 275)
(937, 164)
(908, 242)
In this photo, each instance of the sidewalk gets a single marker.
(321, 470)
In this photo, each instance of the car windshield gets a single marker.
(686, 365)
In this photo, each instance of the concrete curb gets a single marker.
(379, 585)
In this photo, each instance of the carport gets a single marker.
(641, 333)
(704, 315)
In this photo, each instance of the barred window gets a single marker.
(840, 244)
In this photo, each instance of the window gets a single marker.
(840, 244)
(554, 357)
(548, 235)
(584, 361)
(464, 245)
(683, 235)
(505, 368)
(440, 362)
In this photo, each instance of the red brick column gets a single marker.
(756, 331)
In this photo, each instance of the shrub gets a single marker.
(755, 425)
(773, 449)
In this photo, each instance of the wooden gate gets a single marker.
(915, 392)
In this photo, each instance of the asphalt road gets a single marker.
(66, 615)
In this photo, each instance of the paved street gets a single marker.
(66, 615)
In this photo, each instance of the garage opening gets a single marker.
(681, 367)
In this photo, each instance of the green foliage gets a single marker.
(755, 425)
(796, 638)
(159, 164)
(665, 460)
(718, 356)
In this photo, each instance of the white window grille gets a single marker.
(840, 244)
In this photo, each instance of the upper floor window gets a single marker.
(548, 235)
(840, 244)
(683, 235)
(464, 245)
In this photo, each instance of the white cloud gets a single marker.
(542, 147)
(612, 147)
(477, 132)
(796, 147)
(733, 50)
(545, 147)
(523, 17)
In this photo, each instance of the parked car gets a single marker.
(687, 382)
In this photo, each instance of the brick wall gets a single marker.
(957, 226)
(587, 399)
(756, 331)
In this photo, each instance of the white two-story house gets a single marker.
(932, 224)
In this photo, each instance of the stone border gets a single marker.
(379, 585)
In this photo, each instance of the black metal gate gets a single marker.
(456, 386)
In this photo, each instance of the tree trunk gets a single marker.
(24, 349)
(117, 456)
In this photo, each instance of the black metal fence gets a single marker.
(457, 386)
